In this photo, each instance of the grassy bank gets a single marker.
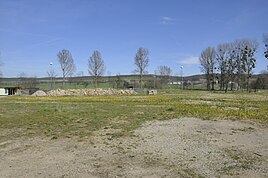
(80, 116)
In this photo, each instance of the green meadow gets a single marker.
(79, 117)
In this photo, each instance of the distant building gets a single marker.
(5, 91)
(174, 83)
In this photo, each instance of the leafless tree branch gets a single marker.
(67, 64)
(96, 66)
(142, 62)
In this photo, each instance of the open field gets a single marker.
(185, 134)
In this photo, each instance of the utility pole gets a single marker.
(182, 77)
(51, 77)
(154, 81)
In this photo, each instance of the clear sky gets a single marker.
(32, 32)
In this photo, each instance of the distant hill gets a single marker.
(122, 77)
(105, 81)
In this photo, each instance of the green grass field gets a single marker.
(79, 116)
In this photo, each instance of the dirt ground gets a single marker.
(187, 147)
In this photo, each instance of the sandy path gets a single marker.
(185, 147)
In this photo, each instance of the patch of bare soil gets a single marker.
(185, 147)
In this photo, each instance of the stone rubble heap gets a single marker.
(89, 92)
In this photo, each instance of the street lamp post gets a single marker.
(51, 76)
(182, 77)
(154, 81)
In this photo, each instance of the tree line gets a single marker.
(96, 66)
(96, 69)
(231, 64)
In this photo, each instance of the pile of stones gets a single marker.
(90, 92)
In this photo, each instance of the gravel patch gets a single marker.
(187, 147)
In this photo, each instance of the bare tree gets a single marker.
(222, 60)
(248, 59)
(26, 82)
(22, 80)
(230, 68)
(96, 66)
(66, 63)
(207, 61)
(164, 72)
(141, 62)
(259, 83)
(265, 41)
(240, 48)
(118, 80)
(52, 75)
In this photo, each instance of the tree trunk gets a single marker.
(140, 80)
(63, 83)
(96, 82)
(208, 82)
(222, 82)
(212, 84)
(226, 88)
(223, 76)
(248, 81)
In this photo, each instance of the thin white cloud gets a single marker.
(6, 30)
(45, 43)
(190, 60)
(165, 20)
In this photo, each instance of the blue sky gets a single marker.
(32, 32)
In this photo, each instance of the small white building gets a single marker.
(174, 83)
(5, 91)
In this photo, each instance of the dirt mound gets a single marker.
(89, 92)
(39, 93)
